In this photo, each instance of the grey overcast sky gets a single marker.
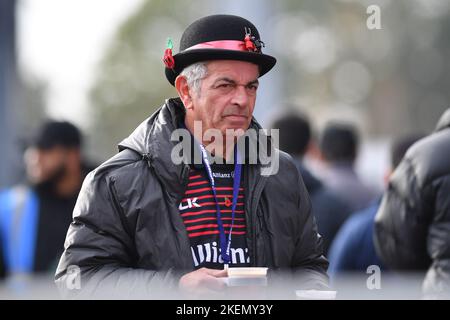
(60, 42)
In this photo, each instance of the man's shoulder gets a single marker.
(125, 163)
(427, 158)
(285, 160)
(288, 172)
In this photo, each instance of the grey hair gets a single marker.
(194, 75)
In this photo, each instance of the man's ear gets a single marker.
(183, 91)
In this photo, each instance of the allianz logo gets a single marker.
(223, 175)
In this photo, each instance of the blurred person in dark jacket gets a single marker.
(412, 226)
(34, 216)
(144, 223)
(339, 149)
(353, 248)
(328, 209)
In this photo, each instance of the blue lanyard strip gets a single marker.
(224, 245)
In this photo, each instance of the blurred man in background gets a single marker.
(330, 212)
(34, 217)
(339, 150)
(353, 248)
(412, 226)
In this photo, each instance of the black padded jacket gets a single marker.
(412, 227)
(127, 236)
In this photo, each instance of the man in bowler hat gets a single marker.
(144, 222)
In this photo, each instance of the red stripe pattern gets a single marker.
(198, 211)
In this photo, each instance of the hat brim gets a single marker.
(186, 58)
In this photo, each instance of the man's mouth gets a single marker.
(236, 116)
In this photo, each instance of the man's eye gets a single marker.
(253, 87)
(224, 85)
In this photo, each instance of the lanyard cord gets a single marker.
(224, 245)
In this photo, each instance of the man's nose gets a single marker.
(241, 96)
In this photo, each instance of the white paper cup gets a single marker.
(246, 276)
(247, 272)
(315, 295)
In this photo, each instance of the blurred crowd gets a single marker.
(405, 229)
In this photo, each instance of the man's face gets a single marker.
(227, 95)
(44, 165)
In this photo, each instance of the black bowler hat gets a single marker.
(218, 37)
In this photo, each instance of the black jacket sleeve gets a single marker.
(99, 248)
